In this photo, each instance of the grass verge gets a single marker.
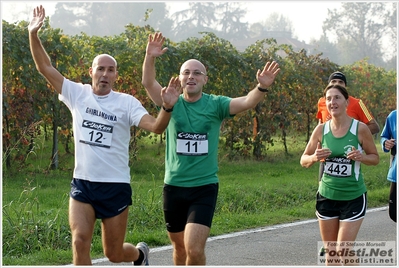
(252, 194)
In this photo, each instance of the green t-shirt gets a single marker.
(342, 178)
(192, 139)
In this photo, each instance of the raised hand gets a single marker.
(170, 94)
(321, 153)
(354, 154)
(268, 74)
(38, 17)
(154, 45)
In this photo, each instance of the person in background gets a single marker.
(191, 158)
(356, 108)
(388, 143)
(102, 118)
(343, 143)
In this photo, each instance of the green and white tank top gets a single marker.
(342, 178)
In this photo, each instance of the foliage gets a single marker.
(225, 20)
(30, 106)
(357, 30)
(19, 114)
(304, 81)
(375, 86)
(278, 22)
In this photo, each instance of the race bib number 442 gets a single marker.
(338, 167)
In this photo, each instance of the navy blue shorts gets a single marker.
(107, 199)
(352, 210)
(184, 205)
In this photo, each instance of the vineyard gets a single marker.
(31, 107)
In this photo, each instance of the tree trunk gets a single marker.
(54, 153)
(7, 141)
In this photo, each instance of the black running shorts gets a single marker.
(107, 199)
(184, 205)
(350, 210)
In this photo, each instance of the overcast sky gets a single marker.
(306, 16)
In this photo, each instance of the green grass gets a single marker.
(252, 194)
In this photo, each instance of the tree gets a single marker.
(391, 22)
(278, 22)
(308, 75)
(18, 114)
(255, 30)
(28, 100)
(359, 27)
(31, 106)
(199, 17)
(108, 18)
(274, 25)
(324, 46)
(230, 26)
(375, 86)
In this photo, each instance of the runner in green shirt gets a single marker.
(343, 143)
(192, 137)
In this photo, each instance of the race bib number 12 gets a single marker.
(96, 134)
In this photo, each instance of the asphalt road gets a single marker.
(293, 244)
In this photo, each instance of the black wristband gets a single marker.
(263, 89)
(167, 110)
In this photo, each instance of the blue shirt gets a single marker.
(389, 132)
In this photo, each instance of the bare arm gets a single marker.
(373, 126)
(154, 49)
(169, 96)
(313, 151)
(371, 156)
(265, 79)
(40, 56)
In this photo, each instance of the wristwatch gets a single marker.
(167, 110)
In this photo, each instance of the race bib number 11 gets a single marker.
(192, 144)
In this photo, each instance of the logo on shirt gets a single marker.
(97, 126)
(96, 112)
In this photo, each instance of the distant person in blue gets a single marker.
(388, 143)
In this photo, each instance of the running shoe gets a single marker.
(146, 250)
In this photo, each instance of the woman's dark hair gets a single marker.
(340, 88)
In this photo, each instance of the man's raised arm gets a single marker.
(40, 56)
(154, 49)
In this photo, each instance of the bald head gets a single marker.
(102, 57)
(193, 64)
